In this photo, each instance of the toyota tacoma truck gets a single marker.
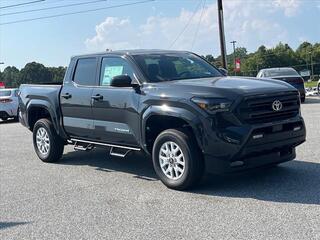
(172, 105)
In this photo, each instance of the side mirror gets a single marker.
(223, 71)
(122, 81)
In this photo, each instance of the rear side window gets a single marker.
(85, 73)
(5, 93)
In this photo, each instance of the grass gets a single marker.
(311, 84)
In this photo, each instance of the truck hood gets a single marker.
(239, 84)
(222, 87)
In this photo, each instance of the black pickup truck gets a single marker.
(172, 105)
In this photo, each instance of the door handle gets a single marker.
(66, 96)
(97, 97)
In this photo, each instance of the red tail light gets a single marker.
(5, 100)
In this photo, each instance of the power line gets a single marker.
(21, 4)
(73, 13)
(197, 30)
(186, 26)
(49, 8)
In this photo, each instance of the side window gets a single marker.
(85, 72)
(114, 66)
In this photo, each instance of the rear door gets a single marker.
(116, 119)
(75, 98)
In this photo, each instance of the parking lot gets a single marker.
(90, 195)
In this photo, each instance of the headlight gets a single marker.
(213, 105)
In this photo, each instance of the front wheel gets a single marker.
(177, 160)
(47, 144)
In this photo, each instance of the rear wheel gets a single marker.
(47, 144)
(177, 160)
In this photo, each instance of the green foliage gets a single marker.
(10, 76)
(34, 73)
(280, 56)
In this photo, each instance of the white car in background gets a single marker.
(9, 103)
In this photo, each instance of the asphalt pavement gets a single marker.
(90, 195)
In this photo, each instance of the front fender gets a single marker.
(191, 118)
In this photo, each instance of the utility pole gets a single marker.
(221, 33)
(234, 55)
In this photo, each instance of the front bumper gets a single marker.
(244, 147)
(4, 114)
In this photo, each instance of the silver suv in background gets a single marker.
(9, 104)
(288, 75)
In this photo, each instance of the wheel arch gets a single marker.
(38, 109)
(159, 118)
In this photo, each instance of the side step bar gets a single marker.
(119, 152)
(113, 147)
(77, 147)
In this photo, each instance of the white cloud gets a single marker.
(112, 33)
(248, 22)
(290, 7)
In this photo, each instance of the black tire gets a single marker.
(303, 99)
(16, 118)
(319, 89)
(193, 169)
(4, 119)
(56, 143)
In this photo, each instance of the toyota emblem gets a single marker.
(277, 105)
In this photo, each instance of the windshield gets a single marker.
(6, 93)
(174, 66)
(281, 72)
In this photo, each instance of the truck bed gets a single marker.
(40, 95)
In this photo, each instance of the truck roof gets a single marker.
(130, 52)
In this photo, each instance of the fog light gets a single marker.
(297, 129)
(237, 164)
(257, 136)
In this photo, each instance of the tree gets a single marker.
(10, 76)
(35, 73)
(57, 73)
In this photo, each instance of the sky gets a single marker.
(161, 24)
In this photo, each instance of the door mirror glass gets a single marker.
(121, 81)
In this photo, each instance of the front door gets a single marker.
(116, 119)
(75, 99)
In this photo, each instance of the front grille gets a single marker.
(258, 108)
